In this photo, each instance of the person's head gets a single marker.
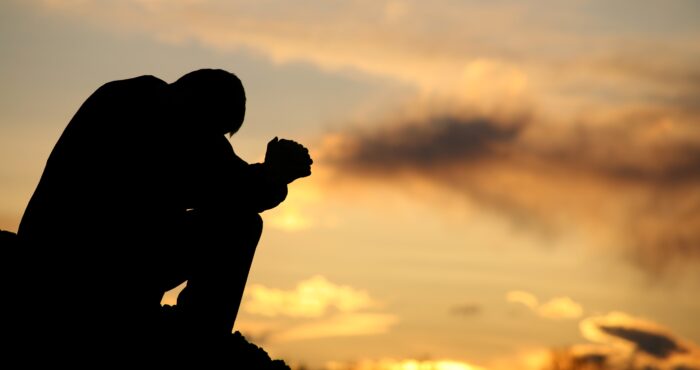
(211, 97)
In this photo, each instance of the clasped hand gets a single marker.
(287, 160)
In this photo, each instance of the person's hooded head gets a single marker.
(211, 97)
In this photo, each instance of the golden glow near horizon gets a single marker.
(405, 365)
(496, 184)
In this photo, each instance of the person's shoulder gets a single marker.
(125, 96)
(141, 82)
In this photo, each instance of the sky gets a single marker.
(496, 184)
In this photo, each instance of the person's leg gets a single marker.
(221, 261)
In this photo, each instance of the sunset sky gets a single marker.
(495, 183)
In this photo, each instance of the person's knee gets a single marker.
(250, 228)
(247, 227)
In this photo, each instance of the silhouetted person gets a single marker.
(143, 192)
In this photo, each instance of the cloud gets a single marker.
(556, 308)
(313, 297)
(514, 52)
(525, 298)
(643, 335)
(515, 56)
(560, 308)
(417, 146)
(625, 339)
(328, 36)
(315, 308)
(465, 310)
(657, 345)
(340, 325)
(630, 176)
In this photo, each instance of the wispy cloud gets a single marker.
(313, 297)
(340, 325)
(328, 36)
(560, 308)
(556, 308)
(524, 298)
(438, 51)
(315, 308)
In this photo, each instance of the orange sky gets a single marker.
(495, 182)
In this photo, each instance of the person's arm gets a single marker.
(225, 180)
(258, 188)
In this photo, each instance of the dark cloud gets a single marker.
(420, 146)
(607, 152)
(465, 310)
(633, 343)
(573, 358)
(633, 149)
(642, 165)
(654, 344)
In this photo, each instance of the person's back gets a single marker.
(91, 207)
(108, 138)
